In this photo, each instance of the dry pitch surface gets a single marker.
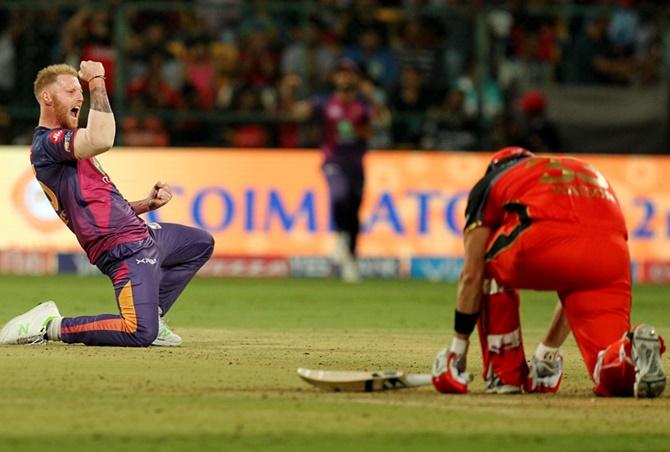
(232, 386)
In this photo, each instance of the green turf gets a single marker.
(232, 386)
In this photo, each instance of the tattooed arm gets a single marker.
(98, 136)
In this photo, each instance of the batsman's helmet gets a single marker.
(507, 155)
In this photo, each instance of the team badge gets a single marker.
(66, 143)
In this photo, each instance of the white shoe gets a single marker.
(30, 328)
(341, 251)
(650, 378)
(166, 337)
(342, 256)
(495, 386)
(350, 272)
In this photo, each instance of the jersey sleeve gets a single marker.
(57, 146)
(481, 209)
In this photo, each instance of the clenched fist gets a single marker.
(159, 196)
(88, 70)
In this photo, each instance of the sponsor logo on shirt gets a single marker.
(57, 136)
(146, 260)
(66, 144)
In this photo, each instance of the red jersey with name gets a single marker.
(345, 127)
(82, 194)
(560, 189)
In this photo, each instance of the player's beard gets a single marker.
(64, 115)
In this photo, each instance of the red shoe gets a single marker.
(449, 376)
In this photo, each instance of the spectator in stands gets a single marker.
(259, 20)
(537, 132)
(250, 134)
(7, 59)
(369, 52)
(218, 46)
(88, 36)
(532, 54)
(220, 16)
(592, 60)
(140, 129)
(288, 98)
(259, 61)
(448, 127)
(410, 100)
(483, 99)
(190, 129)
(381, 133)
(37, 36)
(200, 70)
(309, 57)
(153, 88)
(417, 48)
(361, 15)
(227, 78)
(143, 42)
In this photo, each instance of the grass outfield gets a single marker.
(232, 385)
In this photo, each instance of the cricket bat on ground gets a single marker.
(359, 381)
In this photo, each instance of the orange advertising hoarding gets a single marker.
(274, 202)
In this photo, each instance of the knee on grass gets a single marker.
(145, 334)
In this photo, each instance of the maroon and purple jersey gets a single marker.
(345, 127)
(82, 194)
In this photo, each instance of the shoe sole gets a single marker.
(650, 379)
(504, 390)
(161, 343)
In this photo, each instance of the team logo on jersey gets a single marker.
(66, 143)
(57, 136)
(98, 166)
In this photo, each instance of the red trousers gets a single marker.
(589, 270)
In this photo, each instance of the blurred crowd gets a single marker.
(228, 72)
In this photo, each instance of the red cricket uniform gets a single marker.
(557, 225)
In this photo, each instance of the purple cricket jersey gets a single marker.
(82, 194)
(344, 127)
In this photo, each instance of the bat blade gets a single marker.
(360, 381)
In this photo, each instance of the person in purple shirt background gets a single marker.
(149, 265)
(346, 116)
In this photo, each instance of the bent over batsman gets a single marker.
(550, 224)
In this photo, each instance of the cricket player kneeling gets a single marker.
(149, 265)
(551, 224)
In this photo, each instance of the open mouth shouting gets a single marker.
(74, 112)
